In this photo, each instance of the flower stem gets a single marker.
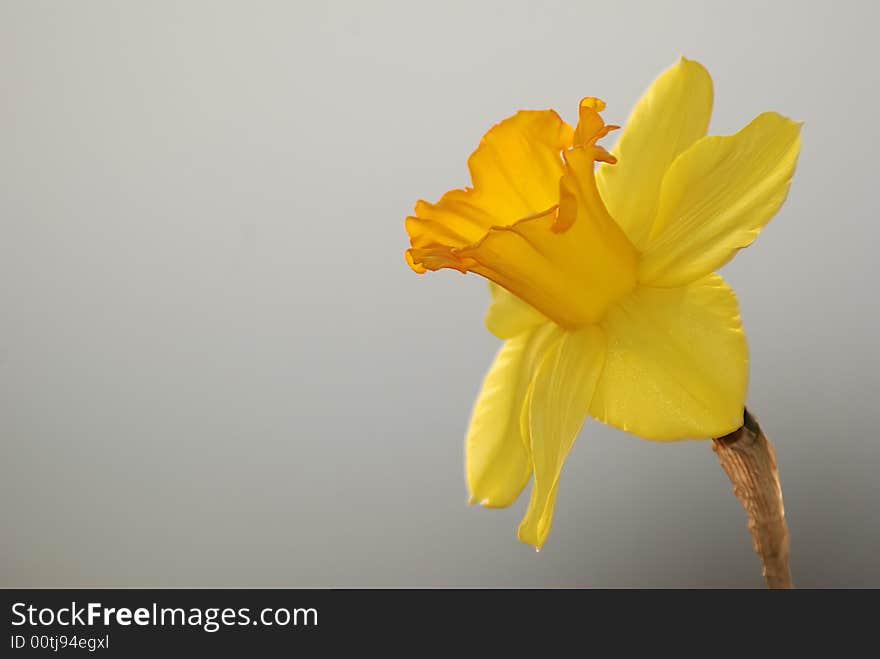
(746, 455)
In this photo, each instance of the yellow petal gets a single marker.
(515, 172)
(497, 463)
(672, 114)
(509, 316)
(559, 399)
(716, 198)
(591, 127)
(677, 363)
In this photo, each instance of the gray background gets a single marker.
(216, 369)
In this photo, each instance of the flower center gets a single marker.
(572, 261)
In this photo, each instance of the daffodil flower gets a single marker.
(603, 277)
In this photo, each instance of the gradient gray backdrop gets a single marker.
(217, 370)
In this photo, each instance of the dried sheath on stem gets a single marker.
(748, 459)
